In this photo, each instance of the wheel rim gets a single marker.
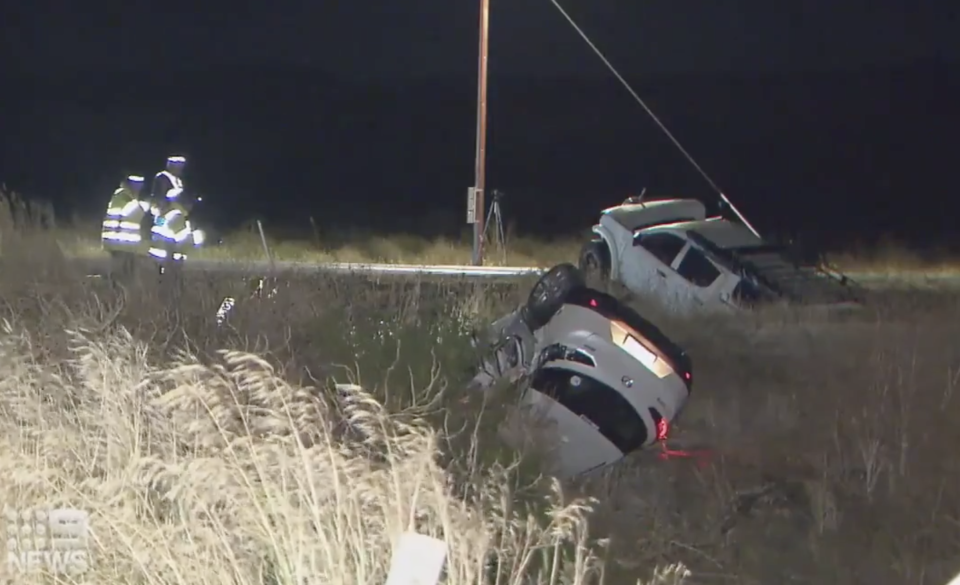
(548, 286)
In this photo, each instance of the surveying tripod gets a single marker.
(496, 214)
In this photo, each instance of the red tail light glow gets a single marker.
(663, 429)
(702, 458)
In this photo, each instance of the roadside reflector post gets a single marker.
(266, 249)
(475, 218)
(471, 205)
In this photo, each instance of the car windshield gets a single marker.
(613, 309)
(608, 410)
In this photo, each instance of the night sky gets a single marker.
(429, 37)
(362, 112)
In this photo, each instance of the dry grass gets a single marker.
(831, 444)
(223, 473)
(245, 245)
(891, 257)
(206, 466)
(831, 440)
(81, 238)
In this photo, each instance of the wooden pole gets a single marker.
(481, 158)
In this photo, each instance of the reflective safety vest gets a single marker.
(172, 235)
(121, 224)
(176, 185)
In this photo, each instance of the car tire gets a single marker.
(595, 260)
(549, 294)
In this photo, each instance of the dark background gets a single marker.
(837, 121)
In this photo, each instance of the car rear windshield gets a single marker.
(603, 406)
(613, 309)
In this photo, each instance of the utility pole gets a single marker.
(475, 199)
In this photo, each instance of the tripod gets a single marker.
(496, 215)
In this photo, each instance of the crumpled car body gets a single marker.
(607, 381)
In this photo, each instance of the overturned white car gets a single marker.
(607, 379)
(670, 248)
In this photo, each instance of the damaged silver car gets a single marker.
(608, 380)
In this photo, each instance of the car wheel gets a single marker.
(549, 294)
(595, 261)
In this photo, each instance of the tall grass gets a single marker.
(229, 454)
(81, 238)
(223, 473)
(206, 466)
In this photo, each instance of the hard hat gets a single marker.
(176, 159)
(134, 179)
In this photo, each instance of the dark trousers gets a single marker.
(123, 266)
(171, 279)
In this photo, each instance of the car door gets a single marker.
(656, 254)
(706, 283)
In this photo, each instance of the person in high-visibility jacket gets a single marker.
(121, 235)
(172, 235)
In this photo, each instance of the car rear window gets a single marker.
(613, 309)
(603, 406)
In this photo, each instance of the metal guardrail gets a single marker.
(346, 268)
(376, 269)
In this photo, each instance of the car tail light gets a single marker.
(662, 425)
